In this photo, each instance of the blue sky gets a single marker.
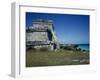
(70, 28)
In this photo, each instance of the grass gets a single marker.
(53, 58)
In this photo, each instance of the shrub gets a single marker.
(75, 46)
(84, 50)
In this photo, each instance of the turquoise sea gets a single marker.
(84, 46)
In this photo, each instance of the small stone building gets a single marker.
(42, 34)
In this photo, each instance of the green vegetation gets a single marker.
(43, 49)
(64, 56)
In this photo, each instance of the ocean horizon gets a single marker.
(83, 46)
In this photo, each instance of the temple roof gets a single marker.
(43, 21)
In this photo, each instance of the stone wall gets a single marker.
(37, 36)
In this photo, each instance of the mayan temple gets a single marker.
(42, 34)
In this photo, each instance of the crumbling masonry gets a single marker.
(42, 34)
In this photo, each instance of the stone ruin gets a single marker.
(42, 34)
